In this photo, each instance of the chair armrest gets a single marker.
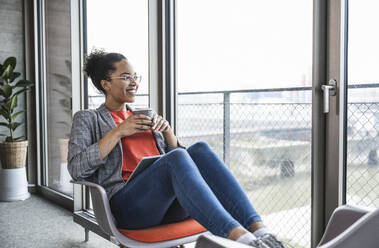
(362, 233)
(342, 218)
(89, 184)
(101, 208)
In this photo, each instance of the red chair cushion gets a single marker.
(165, 232)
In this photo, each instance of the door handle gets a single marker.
(328, 90)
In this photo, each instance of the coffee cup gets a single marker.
(144, 111)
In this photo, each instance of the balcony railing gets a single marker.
(266, 123)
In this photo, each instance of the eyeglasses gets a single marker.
(128, 78)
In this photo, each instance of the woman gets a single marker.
(106, 144)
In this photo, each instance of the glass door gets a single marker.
(245, 86)
(352, 122)
(362, 165)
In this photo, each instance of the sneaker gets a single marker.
(270, 241)
(258, 243)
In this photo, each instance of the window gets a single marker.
(58, 93)
(363, 105)
(120, 26)
(234, 58)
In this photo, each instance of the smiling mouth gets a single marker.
(133, 91)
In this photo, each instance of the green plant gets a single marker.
(9, 92)
(66, 101)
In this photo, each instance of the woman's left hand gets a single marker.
(160, 124)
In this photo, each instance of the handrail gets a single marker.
(246, 91)
(350, 86)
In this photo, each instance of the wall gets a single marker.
(12, 44)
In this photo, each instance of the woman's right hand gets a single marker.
(134, 124)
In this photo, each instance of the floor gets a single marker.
(39, 223)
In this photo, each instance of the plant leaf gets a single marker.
(14, 102)
(6, 90)
(4, 112)
(7, 105)
(4, 124)
(64, 123)
(11, 104)
(2, 134)
(9, 139)
(2, 106)
(65, 102)
(68, 112)
(65, 84)
(10, 61)
(19, 92)
(23, 83)
(14, 125)
(62, 77)
(16, 114)
(62, 93)
(18, 138)
(14, 76)
(8, 67)
(6, 73)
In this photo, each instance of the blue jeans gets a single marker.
(183, 183)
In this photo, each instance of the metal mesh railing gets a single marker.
(270, 154)
(94, 101)
(362, 158)
(268, 149)
(201, 122)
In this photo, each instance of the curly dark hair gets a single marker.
(99, 65)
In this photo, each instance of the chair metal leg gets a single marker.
(86, 235)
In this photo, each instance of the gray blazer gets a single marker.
(84, 160)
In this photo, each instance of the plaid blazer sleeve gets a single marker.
(83, 152)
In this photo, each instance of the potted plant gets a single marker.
(14, 149)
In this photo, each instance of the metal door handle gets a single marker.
(328, 90)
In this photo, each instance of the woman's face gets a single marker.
(118, 88)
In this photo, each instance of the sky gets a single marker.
(239, 44)
(363, 41)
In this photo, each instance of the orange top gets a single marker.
(135, 146)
